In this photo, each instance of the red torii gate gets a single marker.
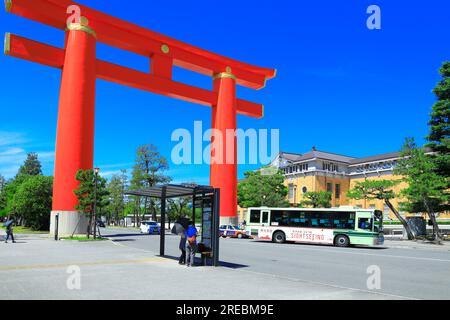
(80, 69)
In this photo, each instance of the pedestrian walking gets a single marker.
(182, 247)
(9, 231)
(191, 244)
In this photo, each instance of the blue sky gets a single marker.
(339, 87)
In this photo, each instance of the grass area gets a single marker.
(25, 230)
(83, 238)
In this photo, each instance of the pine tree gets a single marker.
(380, 190)
(91, 193)
(427, 190)
(316, 199)
(149, 171)
(32, 166)
(439, 137)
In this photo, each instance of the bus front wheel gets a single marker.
(341, 241)
(279, 237)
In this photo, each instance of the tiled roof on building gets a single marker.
(316, 154)
(379, 157)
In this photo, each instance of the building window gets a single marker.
(304, 190)
(291, 191)
(338, 191)
(386, 212)
(328, 166)
(330, 188)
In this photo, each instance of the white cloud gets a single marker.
(11, 138)
(13, 152)
(108, 174)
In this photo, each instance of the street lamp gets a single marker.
(96, 171)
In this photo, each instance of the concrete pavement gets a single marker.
(407, 269)
(128, 268)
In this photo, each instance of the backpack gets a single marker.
(192, 239)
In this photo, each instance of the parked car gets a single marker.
(150, 227)
(232, 231)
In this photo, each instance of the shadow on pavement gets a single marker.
(123, 240)
(125, 235)
(198, 262)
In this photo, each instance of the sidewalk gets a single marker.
(37, 268)
(416, 244)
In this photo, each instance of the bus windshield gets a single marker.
(378, 225)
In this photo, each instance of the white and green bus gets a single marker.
(342, 226)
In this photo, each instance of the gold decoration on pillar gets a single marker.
(82, 26)
(8, 5)
(84, 21)
(165, 49)
(228, 69)
(7, 47)
(224, 75)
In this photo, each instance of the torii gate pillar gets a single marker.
(223, 169)
(75, 131)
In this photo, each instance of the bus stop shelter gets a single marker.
(205, 198)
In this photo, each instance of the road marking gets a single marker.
(327, 284)
(96, 263)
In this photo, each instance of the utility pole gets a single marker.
(96, 170)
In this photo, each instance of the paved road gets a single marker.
(407, 270)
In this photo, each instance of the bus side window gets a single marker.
(265, 217)
(350, 224)
(255, 216)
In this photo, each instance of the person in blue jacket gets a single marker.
(191, 244)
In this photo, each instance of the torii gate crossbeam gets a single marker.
(81, 68)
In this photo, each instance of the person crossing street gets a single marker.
(9, 231)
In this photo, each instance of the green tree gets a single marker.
(319, 199)
(439, 123)
(9, 191)
(92, 195)
(2, 195)
(135, 205)
(178, 208)
(116, 188)
(380, 190)
(262, 190)
(427, 190)
(148, 171)
(33, 202)
(32, 166)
